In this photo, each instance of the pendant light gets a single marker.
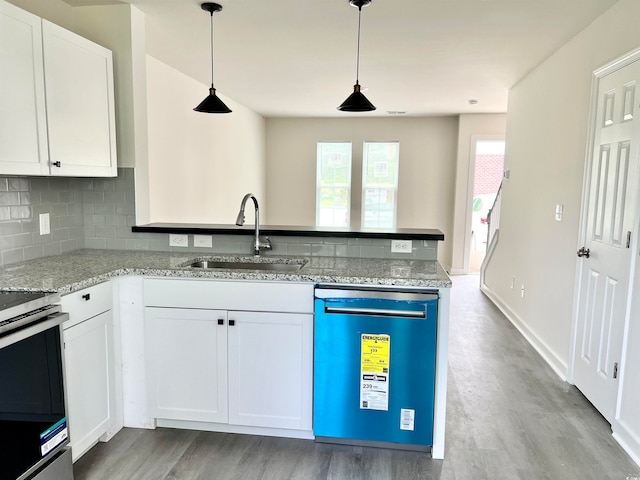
(212, 104)
(357, 102)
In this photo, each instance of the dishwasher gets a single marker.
(374, 366)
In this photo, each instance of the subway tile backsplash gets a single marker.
(99, 213)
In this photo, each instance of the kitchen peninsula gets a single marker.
(143, 285)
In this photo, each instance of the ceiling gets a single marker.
(423, 57)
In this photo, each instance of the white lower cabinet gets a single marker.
(186, 353)
(234, 367)
(89, 366)
(268, 368)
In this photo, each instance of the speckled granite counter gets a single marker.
(82, 268)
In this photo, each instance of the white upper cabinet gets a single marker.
(23, 127)
(57, 113)
(80, 104)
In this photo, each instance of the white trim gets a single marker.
(457, 271)
(586, 181)
(629, 442)
(242, 429)
(442, 364)
(598, 74)
(466, 262)
(487, 258)
(556, 364)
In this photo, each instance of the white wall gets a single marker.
(427, 168)
(471, 125)
(545, 151)
(200, 165)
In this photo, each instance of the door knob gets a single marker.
(584, 252)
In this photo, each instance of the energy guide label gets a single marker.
(374, 372)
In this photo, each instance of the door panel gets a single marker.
(611, 223)
(187, 364)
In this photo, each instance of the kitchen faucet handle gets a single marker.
(265, 244)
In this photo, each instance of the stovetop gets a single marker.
(11, 299)
(15, 305)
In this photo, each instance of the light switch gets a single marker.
(559, 208)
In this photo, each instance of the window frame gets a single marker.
(320, 186)
(394, 189)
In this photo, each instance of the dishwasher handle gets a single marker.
(377, 312)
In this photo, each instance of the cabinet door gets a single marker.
(23, 129)
(270, 369)
(186, 351)
(80, 104)
(89, 374)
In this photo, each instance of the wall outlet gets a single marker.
(559, 210)
(401, 246)
(178, 240)
(522, 291)
(204, 241)
(45, 224)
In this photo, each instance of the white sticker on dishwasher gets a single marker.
(407, 419)
(374, 372)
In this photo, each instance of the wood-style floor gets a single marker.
(508, 417)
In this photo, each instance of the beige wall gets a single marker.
(200, 165)
(471, 125)
(427, 168)
(547, 126)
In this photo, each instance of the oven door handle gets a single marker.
(53, 320)
(377, 312)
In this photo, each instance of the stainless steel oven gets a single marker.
(33, 422)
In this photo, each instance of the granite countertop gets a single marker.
(82, 268)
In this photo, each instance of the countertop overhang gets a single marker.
(292, 231)
(79, 269)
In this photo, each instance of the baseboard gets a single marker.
(628, 440)
(557, 365)
(227, 428)
(457, 271)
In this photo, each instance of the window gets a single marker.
(380, 184)
(333, 184)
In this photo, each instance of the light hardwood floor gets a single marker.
(508, 417)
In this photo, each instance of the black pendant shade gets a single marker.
(357, 102)
(212, 104)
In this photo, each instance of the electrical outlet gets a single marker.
(401, 246)
(45, 224)
(204, 241)
(522, 291)
(178, 240)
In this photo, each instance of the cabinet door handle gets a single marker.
(56, 164)
(87, 296)
(232, 323)
(221, 321)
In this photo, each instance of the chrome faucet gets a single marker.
(258, 244)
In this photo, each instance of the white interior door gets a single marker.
(610, 230)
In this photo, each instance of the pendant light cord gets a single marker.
(358, 50)
(212, 49)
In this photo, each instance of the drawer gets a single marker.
(87, 303)
(229, 295)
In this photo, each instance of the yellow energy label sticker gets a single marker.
(374, 371)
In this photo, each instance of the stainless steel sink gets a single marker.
(277, 267)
